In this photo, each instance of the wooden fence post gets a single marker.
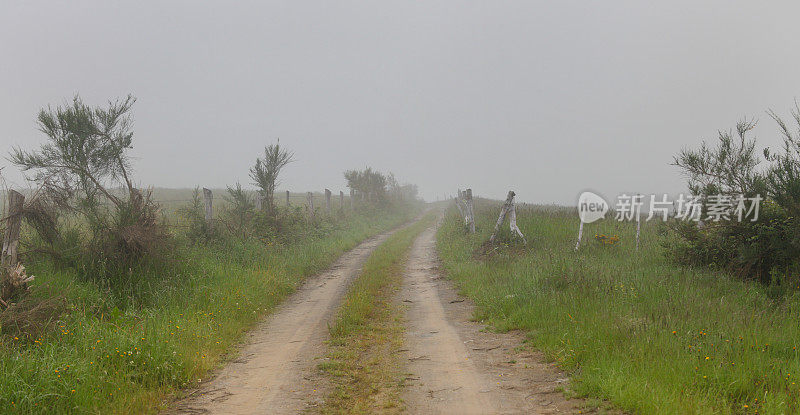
(470, 212)
(208, 198)
(8, 257)
(580, 236)
(506, 207)
(287, 199)
(12, 273)
(512, 222)
(328, 200)
(310, 204)
(341, 200)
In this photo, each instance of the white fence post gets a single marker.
(512, 223)
(508, 208)
(580, 235)
(8, 256)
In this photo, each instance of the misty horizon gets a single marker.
(544, 99)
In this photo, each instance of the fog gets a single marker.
(545, 98)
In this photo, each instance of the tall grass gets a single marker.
(127, 355)
(632, 327)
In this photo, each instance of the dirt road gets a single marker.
(454, 365)
(274, 370)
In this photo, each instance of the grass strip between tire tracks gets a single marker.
(368, 332)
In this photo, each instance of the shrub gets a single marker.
(266, 171)
(78, 170)
(766, 249)
(197, 229)
(238, 215)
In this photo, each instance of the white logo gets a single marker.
(591, 207)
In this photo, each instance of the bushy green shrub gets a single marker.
(197, 229)
(766, 249)
(83, 171)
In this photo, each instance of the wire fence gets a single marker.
(171, 201)
(171, 206)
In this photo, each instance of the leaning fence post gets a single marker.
(503, 211)
(341, 200)
(328, 200)
(310, 203)
(16, 201)
(207, 198)
(512, 222)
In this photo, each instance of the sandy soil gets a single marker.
(274, 371)
(455, 366)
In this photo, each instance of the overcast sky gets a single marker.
(546, 98)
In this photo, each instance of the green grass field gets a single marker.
(108, 354)
(631, 327)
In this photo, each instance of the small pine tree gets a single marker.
(266, 171)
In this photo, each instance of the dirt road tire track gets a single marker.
(455, 366)
(272, 372)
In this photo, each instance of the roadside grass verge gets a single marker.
(128, 355)
(631, 327)
(368, 332)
